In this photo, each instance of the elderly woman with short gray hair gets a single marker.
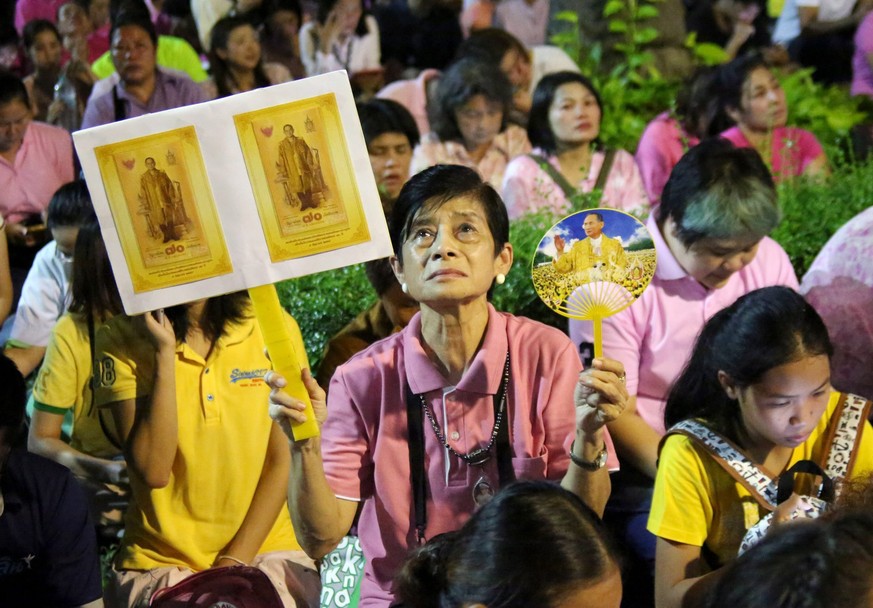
(710, 233)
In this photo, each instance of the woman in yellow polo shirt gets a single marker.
(208, 468)
(759, 380)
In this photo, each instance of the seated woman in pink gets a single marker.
(468, 123)
(751, 97)
(564, 126)
(671, 134)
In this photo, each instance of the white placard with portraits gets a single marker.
(234, 193)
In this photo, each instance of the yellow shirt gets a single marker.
(696, 502)
(582, 256)
(63, 383)
(224, 430)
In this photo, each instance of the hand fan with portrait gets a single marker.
(593, 264)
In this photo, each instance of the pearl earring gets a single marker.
(404, 288)
(500, 278)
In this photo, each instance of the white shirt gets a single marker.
(45, 296)
(788, 25)
(355, 54)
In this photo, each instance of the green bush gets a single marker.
(324, 303)
(813, 211)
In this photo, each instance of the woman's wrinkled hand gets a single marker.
(600, 395)
(286, 409)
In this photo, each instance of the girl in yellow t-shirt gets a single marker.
(759, 376)
(64, 384)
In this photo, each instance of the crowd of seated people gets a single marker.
(589, 462)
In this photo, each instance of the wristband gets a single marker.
(232, 558)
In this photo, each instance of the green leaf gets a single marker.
(568, 16)
(612, 7)
(709, 53)
(646, 35)
(617, 27)
(647, 11)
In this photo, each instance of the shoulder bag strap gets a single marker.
(605, 168)
(118, 104)
(843, 435)
(417, 472)
(734, 462)
(415, 429)
(553, 173)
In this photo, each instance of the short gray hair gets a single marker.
(717, 191)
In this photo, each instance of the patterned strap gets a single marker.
(726, 454)
(556, 176)
(842, 436)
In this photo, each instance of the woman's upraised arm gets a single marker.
(320, 519)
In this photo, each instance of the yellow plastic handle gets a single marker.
(277, 337)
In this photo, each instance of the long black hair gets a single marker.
(220, 313)
(221, 72)
(763, 329)
(533, 544)
(93, 286)
(728, 87)
(819, 563)
(539, 131)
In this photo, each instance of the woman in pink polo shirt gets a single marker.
(425, 425)
(751, 97)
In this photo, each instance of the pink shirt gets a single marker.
(364, 441)
(862, 73)
(839, 284)
(654, 337)
(792, 150)
(28, 10)
(43, 164)
(527, 187)
(412, 95)
(661, 146)
(506, 146)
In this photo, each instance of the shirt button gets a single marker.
(209, 397)
(207, 371)
(455, 435)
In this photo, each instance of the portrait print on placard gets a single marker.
(302, 177)
(163, 209)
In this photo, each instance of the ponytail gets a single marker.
(698, 393)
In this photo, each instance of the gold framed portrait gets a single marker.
(302, 177)
(163, 209)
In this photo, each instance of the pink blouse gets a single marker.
(661, 146)
(506, 146)
(791, 151)
(527, 187)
